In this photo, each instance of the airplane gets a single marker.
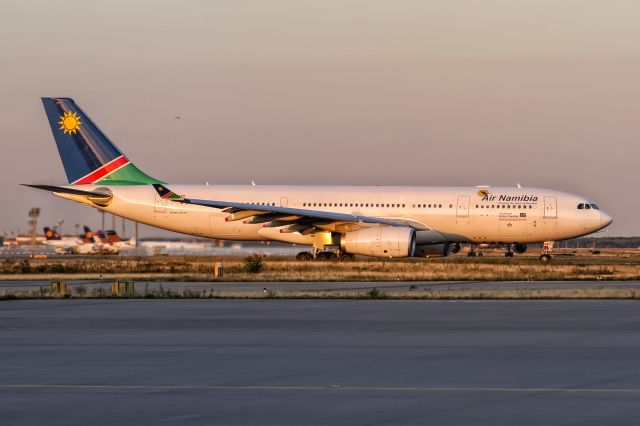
(60, 245)
(83, 244)
(336, 221)
(101, 245)
(115, 240)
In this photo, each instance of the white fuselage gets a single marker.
(440, 214)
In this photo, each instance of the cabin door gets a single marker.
(462, 209)
(160, 204)
(550, 208)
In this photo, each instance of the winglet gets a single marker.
(165, 192)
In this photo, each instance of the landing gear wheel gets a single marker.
(304, 256)
(472, 254)
(480, 255)
(347, 257)
(326, 255)
(545, 258)
(508, 254)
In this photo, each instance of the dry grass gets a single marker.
(566, 266)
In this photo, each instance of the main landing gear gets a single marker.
(325, 255)
(509, 253)
(473, 252)
(304, 256)
(515, 248)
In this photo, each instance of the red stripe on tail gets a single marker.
(103, 171)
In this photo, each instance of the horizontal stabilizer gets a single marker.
(72, 191)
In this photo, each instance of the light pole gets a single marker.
(33, 221)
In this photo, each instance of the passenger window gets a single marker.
(587, 206)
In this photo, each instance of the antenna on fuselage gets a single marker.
(253, 183)
(518, 185)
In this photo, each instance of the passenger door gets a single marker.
(550, 208)
(462, 209)
(160, 204)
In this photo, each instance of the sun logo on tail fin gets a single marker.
(69, 123)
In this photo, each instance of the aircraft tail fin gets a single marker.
(113, 236)
(50, 234)
(88, 235)
(87, 154)
(102, 237)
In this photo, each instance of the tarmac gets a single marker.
(312, 362)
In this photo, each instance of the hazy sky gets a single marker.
(452, 92)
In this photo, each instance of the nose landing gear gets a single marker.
(545, 257)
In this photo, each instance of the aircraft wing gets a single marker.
(316, 214)
(280, 216)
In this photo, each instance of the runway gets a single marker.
(356, 362)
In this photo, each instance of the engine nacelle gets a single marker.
(520, 248)
(433, 250)
(380, 242)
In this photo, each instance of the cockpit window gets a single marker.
(580, 206)
(595, 207)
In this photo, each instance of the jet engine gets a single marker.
(454, 247)
(380, 242)
(520, 248)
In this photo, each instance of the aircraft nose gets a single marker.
(605, 219)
